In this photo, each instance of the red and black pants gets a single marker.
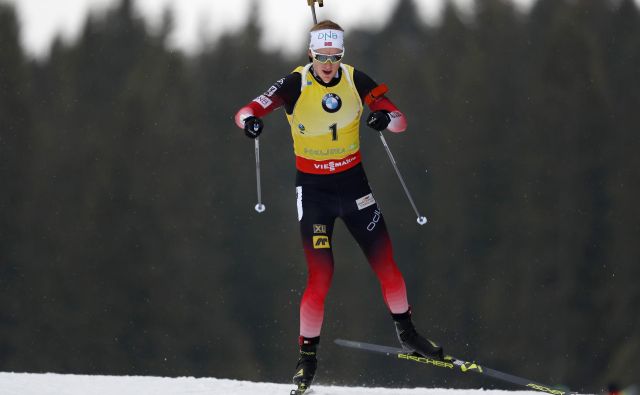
(346, 195)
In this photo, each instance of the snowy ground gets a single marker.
(57, 384)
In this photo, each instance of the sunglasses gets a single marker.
(322, 58)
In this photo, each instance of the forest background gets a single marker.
(129, 243)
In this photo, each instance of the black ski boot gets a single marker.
(307, 364)
(412, 341)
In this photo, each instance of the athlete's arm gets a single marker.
(373, 95)
(283, 92)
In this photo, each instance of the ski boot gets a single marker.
(307, 364)
(412, 341)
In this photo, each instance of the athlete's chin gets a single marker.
(327, 76)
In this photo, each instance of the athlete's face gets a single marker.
(327, 70)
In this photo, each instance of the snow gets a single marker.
(60, 384)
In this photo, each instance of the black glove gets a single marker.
(379, 120)
(253, 127)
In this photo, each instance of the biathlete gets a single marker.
(324, 102)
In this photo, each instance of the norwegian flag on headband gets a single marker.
(328, 44)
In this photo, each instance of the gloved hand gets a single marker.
(253, 126)
(379, 120)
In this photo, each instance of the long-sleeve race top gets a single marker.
(318, 134)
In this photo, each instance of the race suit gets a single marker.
(330, 180)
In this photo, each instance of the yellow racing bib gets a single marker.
(325, 123)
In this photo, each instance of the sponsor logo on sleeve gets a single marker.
(263, 100)
(271, 91)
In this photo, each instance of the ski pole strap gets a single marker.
(376, 93)
(310, 2)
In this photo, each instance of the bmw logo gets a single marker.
(331, 102)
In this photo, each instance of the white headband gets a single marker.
(327, 38)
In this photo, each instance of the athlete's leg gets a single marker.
(316, 229)
(369, 229)
(365, 222)
(367, 226)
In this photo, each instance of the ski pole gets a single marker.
(313, 8)
(421, 219)
(259, 207)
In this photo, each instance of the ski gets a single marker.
(452, 363)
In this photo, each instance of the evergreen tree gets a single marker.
(15, 157)
(620, 298)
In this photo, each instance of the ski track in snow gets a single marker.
(61, 384)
